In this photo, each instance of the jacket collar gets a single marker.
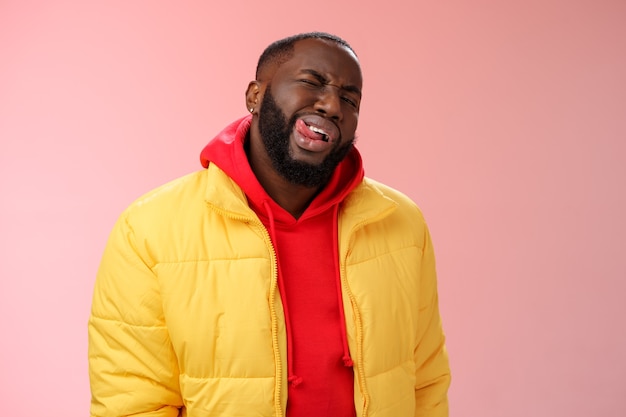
(225, 195)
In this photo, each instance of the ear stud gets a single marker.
(251, 110)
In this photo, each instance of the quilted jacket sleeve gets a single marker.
(132, 367)
(433, 371)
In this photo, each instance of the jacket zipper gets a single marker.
(359, 338)
(357, 315)
(273, 316)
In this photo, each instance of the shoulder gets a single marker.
(187, 185)
(376, 209)
(371, 191)
(167, 205)
(160, 219)
(390, 192)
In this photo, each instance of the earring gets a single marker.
(251, 110)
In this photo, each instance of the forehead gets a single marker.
(325, 57)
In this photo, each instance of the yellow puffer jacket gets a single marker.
(187, 319)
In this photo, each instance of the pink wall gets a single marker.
(505, 120)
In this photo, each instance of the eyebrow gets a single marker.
(321, 78)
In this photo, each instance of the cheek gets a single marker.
(292, 99)
(350, 122)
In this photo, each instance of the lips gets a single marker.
(317, 128)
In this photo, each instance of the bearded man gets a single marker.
(277, 281)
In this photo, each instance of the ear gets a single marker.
(253, 96)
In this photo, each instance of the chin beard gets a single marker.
(275, 131)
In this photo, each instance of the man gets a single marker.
(277, 281)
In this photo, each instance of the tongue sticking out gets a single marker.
(306, 131)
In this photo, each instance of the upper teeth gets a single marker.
(318, 130)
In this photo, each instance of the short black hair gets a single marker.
(282, 49)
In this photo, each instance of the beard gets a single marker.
(275, 132)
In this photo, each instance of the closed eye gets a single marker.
(349, 101)
(310, 82)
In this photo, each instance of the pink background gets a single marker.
(504, 120)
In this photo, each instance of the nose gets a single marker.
(329, 103)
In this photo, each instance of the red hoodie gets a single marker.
(319, 363)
